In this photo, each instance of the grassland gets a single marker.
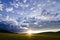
(42, 36)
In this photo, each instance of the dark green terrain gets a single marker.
(40, 36)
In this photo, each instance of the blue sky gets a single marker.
(31, 13)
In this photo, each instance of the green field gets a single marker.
(43, 36)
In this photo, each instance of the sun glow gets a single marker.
(29, 32)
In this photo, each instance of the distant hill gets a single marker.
(4, 31)
(50, 32)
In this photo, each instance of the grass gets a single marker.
(42, 36)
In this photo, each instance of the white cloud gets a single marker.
(9, 9)
(13, 20)
(48, 1)
(23, 27)
(24, 1)
(19, 4)
(16, 0)
(16, 5)
(34, 3)
(24, 6)
(1, 7)
(20, 13)
(54, 2)
(39, 5)
(32, 8)
(7, 18)
(0, 14)
(36, 23)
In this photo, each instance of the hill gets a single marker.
(5, 35)
(5, 31)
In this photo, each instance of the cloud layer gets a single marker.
(31, 14)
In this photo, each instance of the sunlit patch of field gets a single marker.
(10, 36)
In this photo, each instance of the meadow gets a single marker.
(40, 36)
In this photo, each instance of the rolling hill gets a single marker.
(6, 35)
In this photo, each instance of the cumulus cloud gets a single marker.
(1, 7)
(30, 13)
(9, 9)
(0, 14)
(24, 1)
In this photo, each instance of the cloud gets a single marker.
(8, 19)
(31, 13)
(9, 9)
(24, 1)
(32, 8)
(15, 22)
(0, 14)
(15, 4)
(23, 27)
(1, 7)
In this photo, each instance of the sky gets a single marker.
(22, 15)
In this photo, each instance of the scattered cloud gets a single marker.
(30, 12)
(9, 9)
(0, 14)
(1, 7)
(24, 1)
